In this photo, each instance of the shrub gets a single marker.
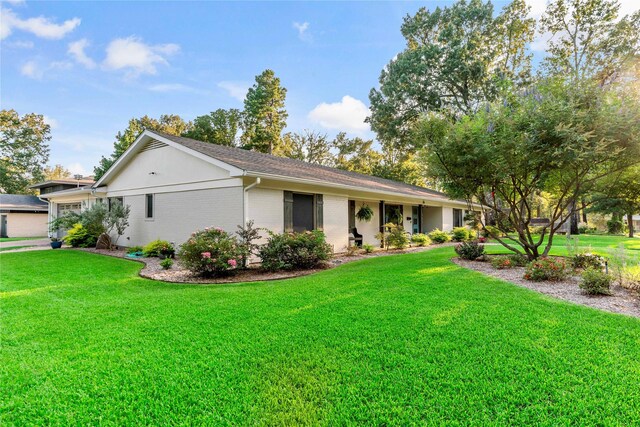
(393, 236)
(247, 236)
(595, 282)
(501, 262)
(368, 248)
(135, 249)
(157, 248)
(473, 234)
(469, 250)
(615, 226)
(79, 237)
(352, 250)
(518, 260)
(491, 231)
(211, 252)
(587, 260)
(289, 251)
(421, 239)
(439, 236)
(460, 234)
(546, 269)
(166, 263)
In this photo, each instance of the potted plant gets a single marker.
(56, 243)
(365, 213)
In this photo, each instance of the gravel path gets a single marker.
(623, 301)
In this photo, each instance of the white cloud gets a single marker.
(15, 2)
(76, 50)
(32, 70)
(137, 57)
(41, 26)
(302, 31)
(77, 168)
(237, 90)
(347, 115)
(53, 123)
(20, 44)
(171, 87)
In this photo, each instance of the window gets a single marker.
(457, 217)
(148, 205)
(302, 212)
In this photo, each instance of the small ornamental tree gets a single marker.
(555, 138)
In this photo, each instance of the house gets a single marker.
(635, 219)
(177, 185)
(23, 216)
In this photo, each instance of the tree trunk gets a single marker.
(573, 225)
(584, 212)
(630, 221)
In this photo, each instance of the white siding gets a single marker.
(164, 166)
(266, 209)
(431, 218)
(27, 224)
(371, 228)
(447, 218)
(176, 215)
(406, 223)
(336, 221)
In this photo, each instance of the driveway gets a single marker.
(34, 244)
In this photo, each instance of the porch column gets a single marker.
(381, 216)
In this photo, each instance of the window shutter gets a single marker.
(319, 212)
(288, 211)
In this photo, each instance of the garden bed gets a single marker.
(621, 300)
(178, 274)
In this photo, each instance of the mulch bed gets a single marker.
(621, 300)
(178, 274)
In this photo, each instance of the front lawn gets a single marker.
(401, 340)
(17, 239)
(604, 245)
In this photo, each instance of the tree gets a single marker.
(587, 42)
(561, 138)
(356, 154)
(219, 127)
(456, 58)
(400, 166)
(309, 146)
(264, 115)
(24, 150)
(619, 195)
(56, 172)
(167, 123)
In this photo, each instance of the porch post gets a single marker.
(420, 219)
(381, 216)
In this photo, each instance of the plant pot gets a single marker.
(56, 245)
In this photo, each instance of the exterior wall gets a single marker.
(178, 214)
(447, 218)
(266, 208)
(165, 166)
(27, 224)
(371, 228)
(407, 213)
(336, 221)
(431, 218)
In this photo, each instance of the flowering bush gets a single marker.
(211, 252)
(587, 260)
(546, 269)
(289, 251)
(501, 262)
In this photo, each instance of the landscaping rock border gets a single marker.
(178, 274)
(621, 300)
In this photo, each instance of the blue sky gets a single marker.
(91, 66)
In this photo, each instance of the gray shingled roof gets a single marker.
(22, 202)
(260, 163)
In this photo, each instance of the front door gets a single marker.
(415, 219)
(3, 226)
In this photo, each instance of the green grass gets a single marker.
(10, 248)
(402, 340)
(16, 239)
(600, 244)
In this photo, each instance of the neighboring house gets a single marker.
(23, 216)
(176, 186)
(636, 222)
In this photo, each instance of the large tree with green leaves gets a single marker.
(588, 40)
(168, 123)
(560, 137)
(56, 172)
(455, 59)
(264, 115)
(309, 146)
(219, 127)
(24, 150)
(356, 154)
(619, 195)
